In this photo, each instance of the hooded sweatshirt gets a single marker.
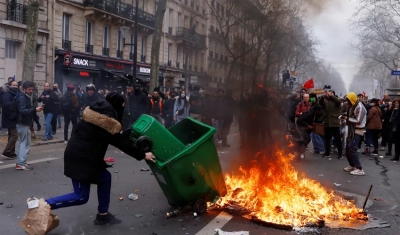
(357, 116)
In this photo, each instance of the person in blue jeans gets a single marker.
(24, 122)
(84, 155)
(51, 105)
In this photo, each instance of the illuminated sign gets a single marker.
(144, 70)
(84, 74)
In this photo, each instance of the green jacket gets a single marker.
(331, 111)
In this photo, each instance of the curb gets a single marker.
(47, 143)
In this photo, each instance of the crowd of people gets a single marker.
(346, 123)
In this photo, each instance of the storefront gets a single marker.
(81, 69)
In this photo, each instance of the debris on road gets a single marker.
(120, 198)
(220, 232)
(138, 215)
(145, 169)
(115, 171)
(109, 159)
(378, 199)
(172, 214)
(10, 206)
(133, 197)
(336, 184)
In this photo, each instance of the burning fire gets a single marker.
(273, 191)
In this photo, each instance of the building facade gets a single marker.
(91, 41)
(13, 20)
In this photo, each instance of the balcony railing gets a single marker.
(122, 9)
(177, 65)
(106, 51)
(190, 36)
(170, 30)
(169, 63)
(119, 54)
(17, 12)
(131, 56)
(143, 58)
(66, 45)
(89, 48)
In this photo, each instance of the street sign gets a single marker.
(67, 59)
(395, 73)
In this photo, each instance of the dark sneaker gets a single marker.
(340, 157)
(44, 139)
(375, 152)
(24, 167)
(324, 156)
(106, 219)
(366, 152)
(9, 156)
(50, 138)
(395, 159)
(388, 154)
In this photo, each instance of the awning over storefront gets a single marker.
(120, 75)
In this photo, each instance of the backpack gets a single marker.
(12, 111)
(66, 103)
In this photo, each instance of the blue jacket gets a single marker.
(8, 118)
(25, 109)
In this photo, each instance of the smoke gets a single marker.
(317, 7)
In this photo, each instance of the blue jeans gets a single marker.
(351, 152)
(48, 132)
(24, 144)
(317, 142)
(81, 194)
(59, 120)
(218, 125)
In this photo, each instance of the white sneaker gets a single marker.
(357, 172)
(65, 142)
(383, 149)
(349, 169)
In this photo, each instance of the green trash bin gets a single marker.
(190, 174)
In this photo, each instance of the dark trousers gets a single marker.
(169, 120)
(351, 152)
(335, 133)
(68, 117)
(81, 194)
(226, 127)
(36, 120)
(385, 135)
(372, 138)
(54, 123)
(394, 138)
(12, 140)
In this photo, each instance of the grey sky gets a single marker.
(332, 29)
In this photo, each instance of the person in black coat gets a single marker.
(51, 107)
(305, 126)
(168, 110)
(9, 118)
(84, 155)
(138, 104)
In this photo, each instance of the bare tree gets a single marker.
(28, 71)
(155, 46)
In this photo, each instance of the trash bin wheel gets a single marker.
(200, 206)
(144, 143)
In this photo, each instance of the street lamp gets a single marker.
(124, 31)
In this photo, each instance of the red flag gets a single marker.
(309, 84)
(363, 94)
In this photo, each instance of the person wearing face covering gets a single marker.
(84, 155)
(138, 104)
(9, 118)
(181, 107)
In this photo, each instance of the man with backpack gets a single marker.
(69, 107)
(9, 118)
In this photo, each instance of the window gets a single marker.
(38, 53)
(179, 20)
(169, 52)
(119, 40)
(11, 49)
(132, 42)
(178, 53)
(185, 22)
(88, 33)
(169, 18)
(65, 27)
(143, 49)
(105, 37)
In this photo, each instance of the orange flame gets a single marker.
(279, 195)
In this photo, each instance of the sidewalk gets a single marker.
(58, 138)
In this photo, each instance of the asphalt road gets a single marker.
(146, 215)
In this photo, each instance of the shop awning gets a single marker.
(120, 75)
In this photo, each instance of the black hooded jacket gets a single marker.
(85, 151)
